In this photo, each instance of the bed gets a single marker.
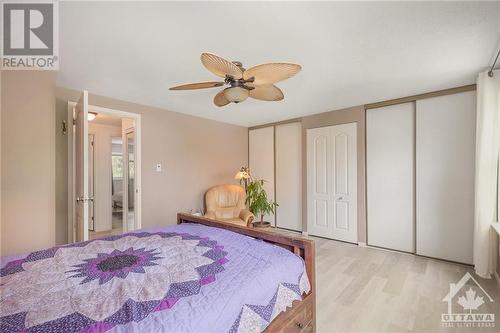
(200, 275)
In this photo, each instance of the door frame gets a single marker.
(71, 163)
(125, 198)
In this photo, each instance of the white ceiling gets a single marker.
(351, 53)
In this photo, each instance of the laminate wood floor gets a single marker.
(361, 289)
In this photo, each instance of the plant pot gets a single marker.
(260, 224)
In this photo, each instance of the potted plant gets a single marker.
(258, 203)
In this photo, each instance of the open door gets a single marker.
(82, 169)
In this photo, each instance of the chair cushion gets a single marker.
(225, 196)
(227, 212)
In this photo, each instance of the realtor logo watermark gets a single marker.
(30, 35)
(464, 305)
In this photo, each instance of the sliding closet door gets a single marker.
(345, 182)
(390, 176)
(261, 161)
(445, 176)
(289, 176)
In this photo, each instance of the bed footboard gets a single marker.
(302, 316)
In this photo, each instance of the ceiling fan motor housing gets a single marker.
(239, 83)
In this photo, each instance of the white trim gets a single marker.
(71, 172)
(395, 251)
(138, 172)
(305, 233)
(113, 112)
(361, 244)
(138, 176)
(125, 181)
(125, 203)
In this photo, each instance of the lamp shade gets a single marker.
(91, 116)
(236, 94)
(242, 175)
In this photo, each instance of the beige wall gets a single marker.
(28, 161)
(354, 114)
(195, 154)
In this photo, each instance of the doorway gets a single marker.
(117, 174)
(103, 179)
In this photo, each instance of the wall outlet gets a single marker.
(158, 167)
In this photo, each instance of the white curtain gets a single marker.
(486, 179)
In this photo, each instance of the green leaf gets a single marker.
(257, 200)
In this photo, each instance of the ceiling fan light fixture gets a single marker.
(91, 115)
(236, 94)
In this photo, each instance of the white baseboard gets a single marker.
(305, 233)
(497, 278)
(362, 244)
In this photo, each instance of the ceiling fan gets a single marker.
(256, 82)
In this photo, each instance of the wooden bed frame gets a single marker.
(301, 317)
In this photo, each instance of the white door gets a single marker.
(446, 128)
(390, 174)
(82, 169)
(289, 176)
(91, 183)
(332, 182)
(261, 161)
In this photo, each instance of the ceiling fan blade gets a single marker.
(220, 99)
(220, 66)
(200, 85)
(266, 74)
(267, 93)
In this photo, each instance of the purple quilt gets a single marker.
(182, 278)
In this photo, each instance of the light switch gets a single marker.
(158, 167)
